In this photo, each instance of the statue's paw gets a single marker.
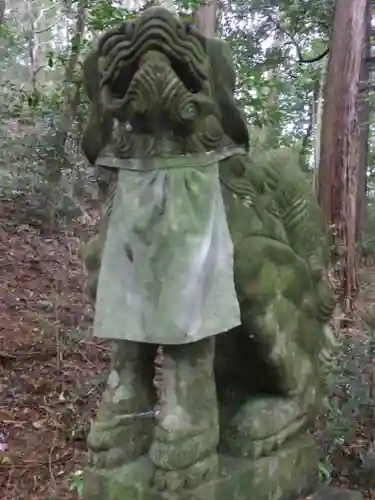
(263, 425)
(170, 452)
(203, 471)
(115, 442)
(177, 443)
(109, 459)
(168, 480)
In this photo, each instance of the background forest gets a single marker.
(305, 80)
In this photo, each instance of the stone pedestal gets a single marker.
(285, 475)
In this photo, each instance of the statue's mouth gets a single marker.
(157, 30)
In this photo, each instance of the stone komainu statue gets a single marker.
(218, 260)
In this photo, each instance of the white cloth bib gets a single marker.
(167, 268)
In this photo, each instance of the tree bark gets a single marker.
(205, 16)
(339, 160)
(2, 12)
(318, 124)
(270, 130)
(70, 99)
(363, 109)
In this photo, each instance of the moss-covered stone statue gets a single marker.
(215, 258)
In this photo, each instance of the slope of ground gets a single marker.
(48, 363)
(346, 434)
(51, 370)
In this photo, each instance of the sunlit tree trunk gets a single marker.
(71, 94)
(135, 5)
(271, 130)
(318, 124)
(34, 50)
(206, 17)
(304, 152)
(364, 126)
(339, 160)
(2, 12)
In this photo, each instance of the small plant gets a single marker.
(5, 460)
(75, 482)
(325, 472)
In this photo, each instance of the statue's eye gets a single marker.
(188, 28)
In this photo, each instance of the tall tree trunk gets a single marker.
(2, 12)
(306, 140)
(70, 101)
(206, 19)
(318, 124)
(338, 170)
(364, 126)
(270, 130)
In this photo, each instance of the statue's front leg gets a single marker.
(122, 430)
(187, 430)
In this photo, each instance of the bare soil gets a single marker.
(51, 369)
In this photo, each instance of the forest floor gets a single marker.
(51, 370)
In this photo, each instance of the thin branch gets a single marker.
(301, 58)
(39, 68)
(52, 25)
(314, 59)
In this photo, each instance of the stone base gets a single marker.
(285, 475)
